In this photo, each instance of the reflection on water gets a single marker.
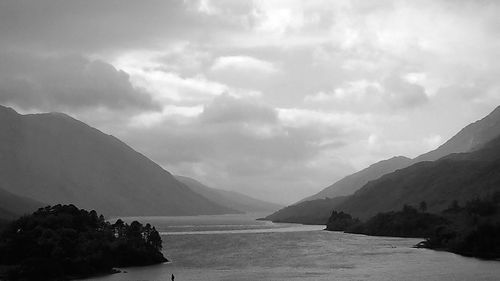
(236, 247)
(185, 224)
(230, 230)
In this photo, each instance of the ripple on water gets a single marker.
(266, 251)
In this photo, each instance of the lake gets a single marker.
(237, 247)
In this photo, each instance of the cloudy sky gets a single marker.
(275, 99)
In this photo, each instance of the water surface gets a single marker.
(236, 247)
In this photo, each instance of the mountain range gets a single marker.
(461, 177)
(229, 199)
(471, 138)
(52, 158)
(56, 159)
(349, 184)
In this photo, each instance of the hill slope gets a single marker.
(460, 177)
(56, 159)
(229, 199)
(315, 211)
(470, 138)
(13, 206)
(349, 184)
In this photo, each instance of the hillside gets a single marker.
(316, 211)
(349, 184)
(230, 199)
(460, 177)
(470, 138)
(56, 159)
(13, 206)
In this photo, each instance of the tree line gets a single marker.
(63, 241)
(471, 229)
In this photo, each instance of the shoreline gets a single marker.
(420, 245)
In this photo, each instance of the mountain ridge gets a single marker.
(471, 137)
(460, 176)
(229, 199)
(54, 158)
(349, 184)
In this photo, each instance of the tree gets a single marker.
(423, 206)
(340, 221)
(63, 241)
(454, 207)
(155, 239)
(409, 209)
(119, 228)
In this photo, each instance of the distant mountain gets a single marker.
(56, 159)
(470, 138)
(349, 184)
(230, 199)
(461, 177)
(13, 206)
(315, 211)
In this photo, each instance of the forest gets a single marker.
(472, 229)
(65, 242)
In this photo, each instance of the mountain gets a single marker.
(315, 211)
(461, 176)
(229, 199)
(54, 158)
(470, 138)
(349, 184)
(13, 206)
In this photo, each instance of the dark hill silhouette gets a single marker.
(461, 177)
(316, 211)
(56, 159)
(13, 206)
(229, 199)
(470, 138)
(349, 184)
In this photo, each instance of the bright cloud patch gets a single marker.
(244, 63)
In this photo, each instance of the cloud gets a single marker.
(229, 109)
(67, 83)
(243, 63)
(92, 26)
(173, 81)
(243, 144)
(403, 94)
(389, 95)
(273, 98)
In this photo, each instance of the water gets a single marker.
(236, 247)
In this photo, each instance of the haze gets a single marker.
(274, 99)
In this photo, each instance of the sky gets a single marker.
(274, 99)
